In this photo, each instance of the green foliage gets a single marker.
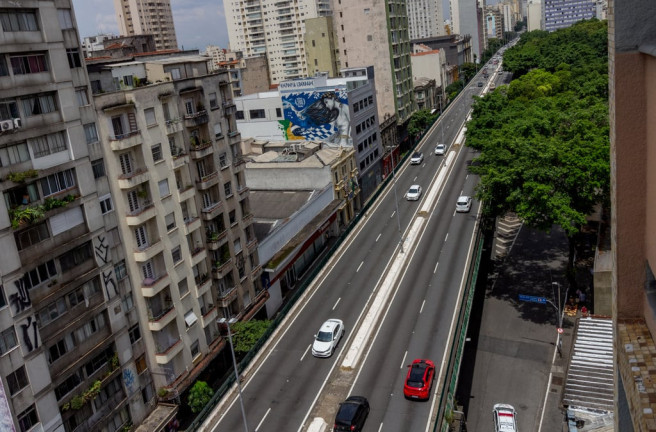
(453, 89)
(22, 215)
(21, 176)
(162, 392)
(419, 121)
(544, 142)
(77, 402)
(247, 333)
(467, 71)
(53, 203)
(199, 395)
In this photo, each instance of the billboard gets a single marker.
(314, 111)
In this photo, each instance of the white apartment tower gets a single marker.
(275, 28)
(425, 18)
(69, 335)
(147, 17)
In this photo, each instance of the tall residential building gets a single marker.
(384, 43)
(71, 354)
(147, 17)
(274, 28)
(534, 15)
(425, 18)
(173, 153)
(632, 99)
(558, 14)
(321, 46)
(494, 22)
(470, 22)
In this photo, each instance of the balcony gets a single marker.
(125, 141)
(178, 161)
(173, 125)
(134, 178)
(255, 273)
(202, 286)
(196, 119)
(165, 355)
(247, 219)
(235, 137)
(197, 256)
(208, 181)
(152, 287)
(199, 151)
(229, 107)
(219, 271)
(227, 296)
(142, 214)
(212, 211)
(157, 323)
(242, 190)
(251, 245)
(147, 252)
(238, 163)
(209, 316)
(191, 225)
(186, 193)
(216, 240)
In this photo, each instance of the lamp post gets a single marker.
(234, 363)
(559, 311)
(396, 199)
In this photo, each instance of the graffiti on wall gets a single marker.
(101, 250)
(29, 334)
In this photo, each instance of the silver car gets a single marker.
(325, 342)
(440, 149)
(416, 158)
(413, 193)
(505, 418)
(463, 205)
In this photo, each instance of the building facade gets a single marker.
(137, 17)
(425, 18)
(273, 28)
(71, 356)
(470, 19)
(321, 46)
(174, 154)
(558, 14)
(534, 15)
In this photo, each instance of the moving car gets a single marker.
(413, 193)
(492, 86)
(463, 205)
(440, 149)
(505, 418)
(416, 158)
(351, 414)
(480, 83)
(419, 380)
(325, 342)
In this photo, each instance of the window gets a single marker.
(278, 112)
(156, 150)
(190, 318)
(51, 312)
(237, 246)
(176, 254)
(68, 385)
(127, 302)
(183, 287)
(120, 270)
(170, 221)
(73, 55)
(82, 98)
(163, 186)
(7, 340)
(48, 144)
(175, 73)
(140, 235)
(135, 333)
(223, 160)
(217, 130)
(98, 168)
(31, 236)
(65, 19)
(28, 64)
(141, 364)
(3, 67)
(60, 348)
(239, 115)
(213, 101)
(91, 133)
(3, 299)
(8, 109)
(150, 116)
(227, 188)
(88, 329)
(28, 419)
(106, 204)
(13, 21)
(195, 349)
(13, 154)
(75, 257)
(256, 114)
(98, 361)
(40, 274)
(128, 80)
(39, 104)
(232, 217)
(58, 182)
(17, 380)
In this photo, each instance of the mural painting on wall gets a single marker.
(101, 250)
(315, 113)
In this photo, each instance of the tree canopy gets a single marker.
(419, 121)
(247, 333)
(199, 395)
(544, 139)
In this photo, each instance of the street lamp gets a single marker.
(234, 363)
(559, 311)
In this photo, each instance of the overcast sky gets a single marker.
(198, 23)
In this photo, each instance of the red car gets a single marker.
(419, 381)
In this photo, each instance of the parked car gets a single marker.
(463, 205)
(352, 414)
(416, 158)
(413, 193)
(505, 418)
(419, 381)
(440, 149)
(325, 342)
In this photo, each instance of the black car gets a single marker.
(351, 414)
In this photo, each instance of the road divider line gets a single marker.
(378, 237)
(421, 309)
(305, 352)
(336, 303)
(393, 213)
(262, 421)
(435, 269)
(403, 360)
(359, 266)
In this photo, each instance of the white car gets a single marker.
(325, 342)
(440, 149)
(413, 193)
(416, 158)
(505, 418)
(463, 205)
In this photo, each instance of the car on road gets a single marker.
(325, 342)
(352, 414)
(463, 205)
(493, 86)
(417, 158)
(480, 83)
(413, 193)
(419, 381)
(440, 149)
(505, 418)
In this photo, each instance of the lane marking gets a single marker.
(393, 213)
(262, 421)
(435, 269)
(403, 361)
(422, 306)
(380, 428)
(359, 266)
(447, 236)
(414, 179)
(336, 303)
(306, 351)
(378, 237)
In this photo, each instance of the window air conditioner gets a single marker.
(6, 125)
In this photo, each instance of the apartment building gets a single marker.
(558, 14)
(173, 153)
(425, 18)
(274, 28)
(321, 46)
(470, 22)
(136, 17)
(70, 350)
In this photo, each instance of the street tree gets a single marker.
(419, 121)
(245, 334)
(199, 396)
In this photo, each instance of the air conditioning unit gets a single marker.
(17, 123)
(6, 125)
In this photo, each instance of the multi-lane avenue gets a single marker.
(290, 387)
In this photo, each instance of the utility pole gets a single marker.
(234, 363)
